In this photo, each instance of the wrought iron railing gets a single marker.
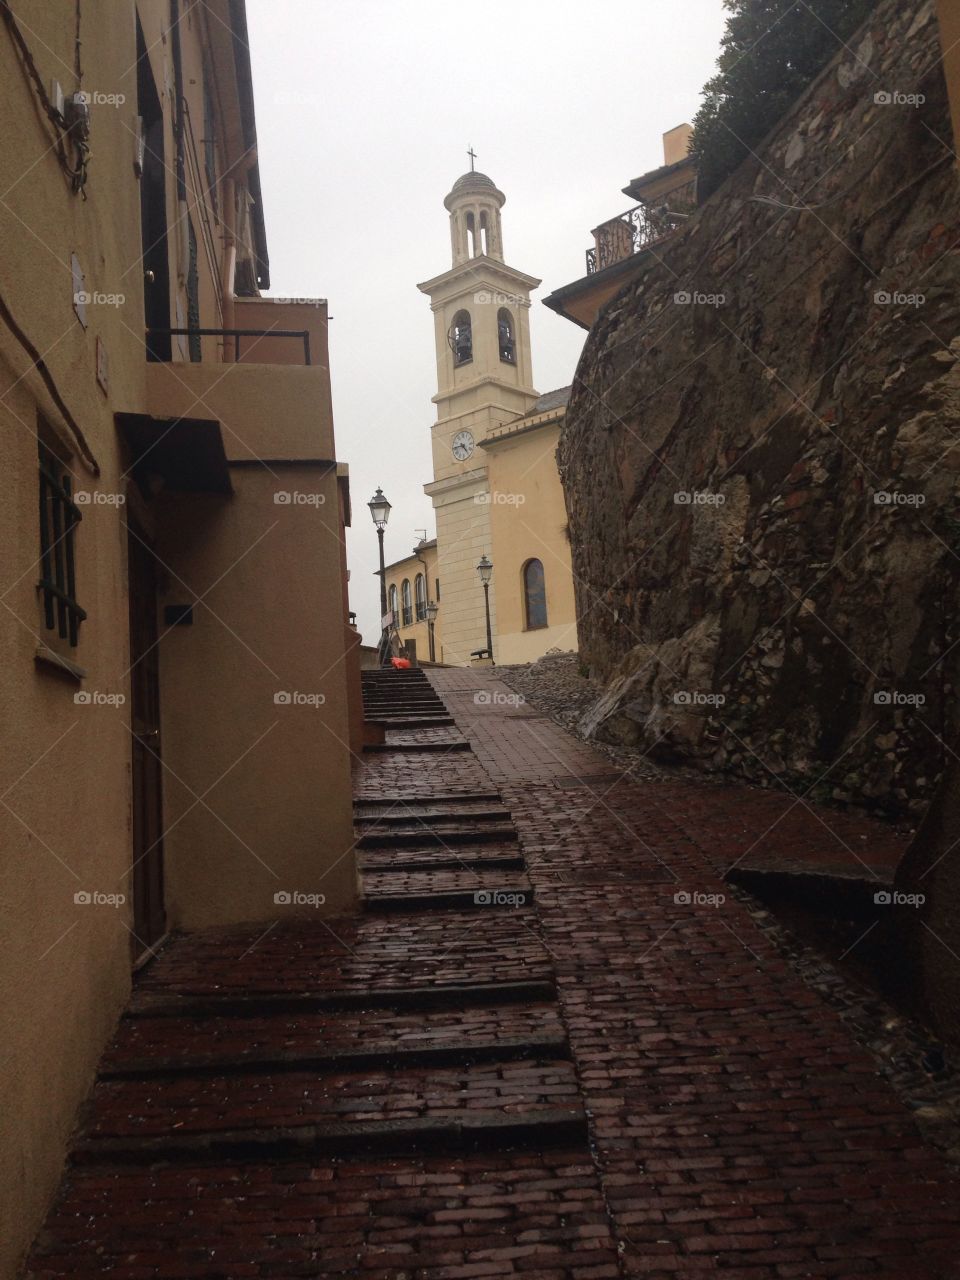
(639, 227)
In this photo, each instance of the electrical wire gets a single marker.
(77, 175)
(40, 365)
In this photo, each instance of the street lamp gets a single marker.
(432, 610)
(380, 511)
(485, 570)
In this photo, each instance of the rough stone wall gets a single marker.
(761, 454)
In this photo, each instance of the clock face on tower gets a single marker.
(462, 445)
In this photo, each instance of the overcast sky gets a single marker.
(365, 111)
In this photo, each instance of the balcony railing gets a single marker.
(302, 335)
(639, 228)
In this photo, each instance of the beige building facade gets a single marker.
(180, 684)
(496, 490)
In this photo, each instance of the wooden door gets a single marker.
(149, 916)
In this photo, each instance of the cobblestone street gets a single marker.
(552, 1045)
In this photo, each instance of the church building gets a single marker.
(496, 488)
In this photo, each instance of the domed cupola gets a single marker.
(474, 204)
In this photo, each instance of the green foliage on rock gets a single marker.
(770, 52)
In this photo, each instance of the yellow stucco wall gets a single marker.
(65, 767)
(528, 521)
(417, 631)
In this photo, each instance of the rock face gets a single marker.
(762, 451)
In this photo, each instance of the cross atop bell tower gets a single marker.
(473, 155)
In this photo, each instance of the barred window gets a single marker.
(59, 518)
(420, 596)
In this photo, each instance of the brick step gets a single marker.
(475, 1130)
(405, 721)
(271, 1005)
(422, 813)
(382, 747)
(328, 1221)
(140, 1044)
(437, 832)
(385, 711)
(358, 954)
(459, 890)
(380, 802)
(439, 858)
(270, 1108)
(374, 1056)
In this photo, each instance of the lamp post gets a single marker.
(432, 610)
(485, 570)
(380, 511)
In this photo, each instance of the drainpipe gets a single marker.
(179, 127)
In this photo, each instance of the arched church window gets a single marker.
(508, 343)
(461, 338)
(534, 595)
(392, 600)
(472, 246)
(420, 595)
(407, 604)
(484, 233)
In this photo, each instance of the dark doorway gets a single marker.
(149, 917)
(153, 209)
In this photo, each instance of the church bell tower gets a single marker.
(481, 310)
